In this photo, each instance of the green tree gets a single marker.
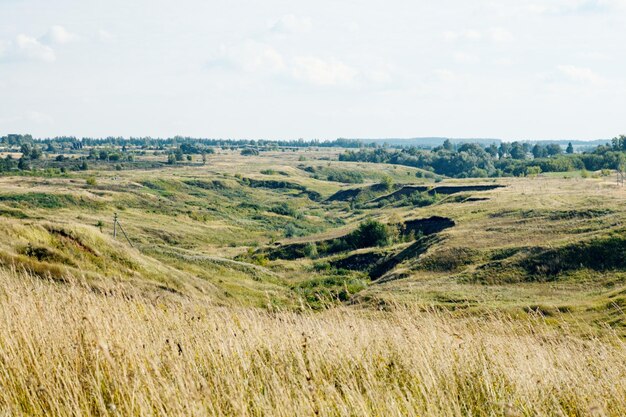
(539, 151)
(533, 171)
(25, 150)
(371, 233)
(554, 149)
(387, 182)
(504, 149)
(570, 148)
(24, 164)
(35, 153)
(517, 151)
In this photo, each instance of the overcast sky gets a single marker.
(511, 69)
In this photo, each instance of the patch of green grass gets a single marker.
(329, 290)
(48, 201)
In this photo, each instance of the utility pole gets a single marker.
(117, 224)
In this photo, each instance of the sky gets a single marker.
(509, 69)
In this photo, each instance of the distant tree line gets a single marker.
(190, 145)
(507, 159)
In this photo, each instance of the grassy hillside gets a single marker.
(292, 284)
(273, 229)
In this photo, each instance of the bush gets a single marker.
(387, 182)
(249, 152)
(371, 233)
(424, 199)
(310, 250)
(351, 177)
(284, 209)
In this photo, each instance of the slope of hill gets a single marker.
(267, 280)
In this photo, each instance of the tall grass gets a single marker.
(66, 350)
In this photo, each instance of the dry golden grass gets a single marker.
(66, 350)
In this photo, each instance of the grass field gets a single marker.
(67, 350)
(241, 294)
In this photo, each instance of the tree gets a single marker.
(570, 148)
(171, 159)
(387, 182)
(517, 151)
(448, 145)
(492, 150)
(533, 171)
(35, 153)
(539, 151)
(554, 149)
(619, 143)
(503, 150)
(25, 150)
(371, 233)
(23, 164)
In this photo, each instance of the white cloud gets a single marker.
(25, 48)
(472, 35)
(465, 58)
(500, 35)
(569, 7)
(262, 59)
(104, 36)
(580, 74)
(494, 34)
(58, 35)
(323, 72)
(381, 74)
(250, 56)
(450, 35)
(445, 75)
(291, 24)
(29, 48)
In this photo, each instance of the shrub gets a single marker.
(249, 152)
(284, 209)
(310, 250)
(351, 177)
(371, 233)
